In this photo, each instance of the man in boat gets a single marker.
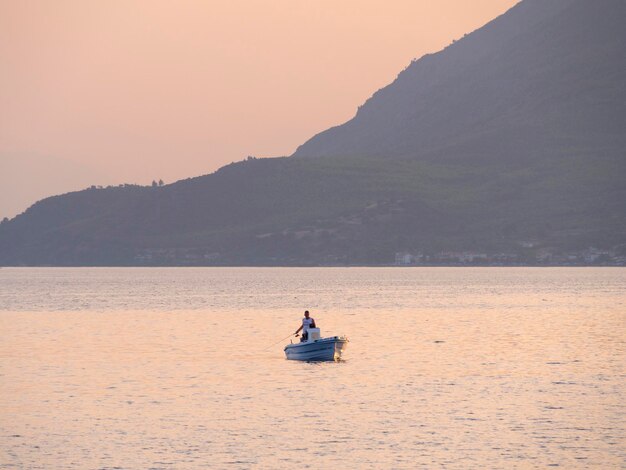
(307, 322)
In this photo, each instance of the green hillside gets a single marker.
(328, 211)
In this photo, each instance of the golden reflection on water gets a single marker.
(485, 375)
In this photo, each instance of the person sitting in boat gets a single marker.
(307, 322)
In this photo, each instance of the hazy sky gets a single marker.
(99, 92)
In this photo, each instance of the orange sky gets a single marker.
(99, 92)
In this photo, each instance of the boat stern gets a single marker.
(323, 349)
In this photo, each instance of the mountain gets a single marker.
(545, 76)
(508, 143)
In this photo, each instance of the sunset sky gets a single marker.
(106, 92)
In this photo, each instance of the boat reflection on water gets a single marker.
(316, 348)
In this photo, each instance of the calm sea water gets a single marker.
(447, 367)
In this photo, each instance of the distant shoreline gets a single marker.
(317, 266)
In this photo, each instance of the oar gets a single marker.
(279, 341)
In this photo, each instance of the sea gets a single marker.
(183, 368)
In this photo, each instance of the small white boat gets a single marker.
(316, 348)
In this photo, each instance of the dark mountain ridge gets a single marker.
(510, 143)
(542, 76)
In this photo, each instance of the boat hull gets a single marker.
(325, 349)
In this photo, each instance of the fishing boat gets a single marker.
(316, 348)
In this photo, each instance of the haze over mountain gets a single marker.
(28, 177)
(512, 137)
